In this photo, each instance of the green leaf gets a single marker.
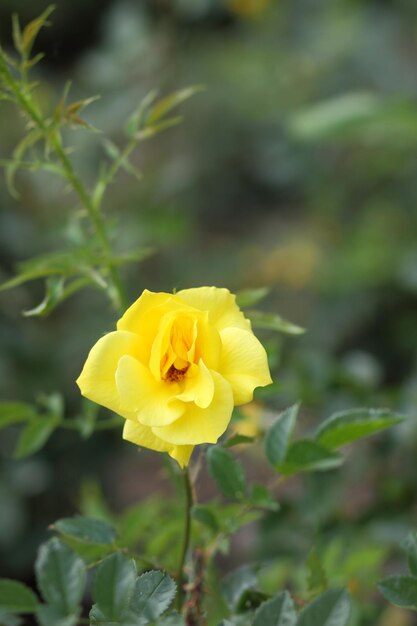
(261, 497)
(306, 455)
(165, 105)
(400, 590)
(35, 435)
(279, 611)
(236, 584)
(205, 516)
(154, 592)
(227, 472)
(86, 530)
(61, 576)
(347, 426)
(278, 436)
(14, 412)
(249, 297)
(337, 116)
(53, 616)
(53, 296)
(332, 608)
(31, 31)
(113, 587)
(271, 321)
(15, 597)
(237, 440)
(316, 579)
(8, 619)
(410, 545)
(172, 619)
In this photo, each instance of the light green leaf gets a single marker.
(306, 455)
(86, 530)
(249, 297)
(32, 29)
(13, 412)
(113, 587)
(410, 546)
(237, 440)
(60, 576)
(279, 611)
(400, 590)
(316, 579)
(15, 597)
(154, 592)
(9, 619)
(337, 116)
(271, 321)
(227, 472)
(235, 584)
(53, 616)
(165, 105)
(35, 435)
(172, 619)
(278, 436)
(347, 426)
(332, 608)
(53, 295)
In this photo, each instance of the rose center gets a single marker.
(174, 375)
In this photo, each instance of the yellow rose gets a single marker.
(175, 367)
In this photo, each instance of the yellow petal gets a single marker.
(243, 363)
(220, 304)
(181, 454)
(131, 318)
(202, 425)
(97, 380)
(152, 400)
(198, 386)
(144, 437)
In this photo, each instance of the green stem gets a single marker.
(188, 496)
(95, 216)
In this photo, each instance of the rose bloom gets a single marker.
(175, 368)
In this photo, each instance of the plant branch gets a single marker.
(188, 501)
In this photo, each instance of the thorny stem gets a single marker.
(97, 221)
(188, 497)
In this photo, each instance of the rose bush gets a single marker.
(175, 368)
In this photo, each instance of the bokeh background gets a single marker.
(296, 169)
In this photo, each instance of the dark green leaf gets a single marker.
(332, 608)
(227, 472)
(279, 611)
(249, 297)
(306, 455)
(113, 586)
(15, 597)
(235, 584)
(13, 412)
(261, 497)
(347, 426)
(410, 546)
(86, 530)
(35, 435)
(400, 590)
(154, 592)
(237, 439)
(204, 515)
(271, 321)
(61, 576)
(278, 436)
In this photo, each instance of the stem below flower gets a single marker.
(188, 493)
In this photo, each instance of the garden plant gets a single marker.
(174, 375)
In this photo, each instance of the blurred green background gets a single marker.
(296, 169)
